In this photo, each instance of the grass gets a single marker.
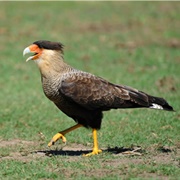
(136, 44)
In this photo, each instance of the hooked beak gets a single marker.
(33, 49)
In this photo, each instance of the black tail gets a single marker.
(141, 99)
(159, 103)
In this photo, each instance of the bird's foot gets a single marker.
(55, 138)
(94, 152)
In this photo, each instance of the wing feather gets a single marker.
(92, 92)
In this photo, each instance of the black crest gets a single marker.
(49, 45)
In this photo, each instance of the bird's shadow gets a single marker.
(61, 152)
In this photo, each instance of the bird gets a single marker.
(83, 96)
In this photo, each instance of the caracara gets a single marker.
(81, 95)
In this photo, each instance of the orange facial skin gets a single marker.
(35, 49)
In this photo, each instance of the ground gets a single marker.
(122, 161)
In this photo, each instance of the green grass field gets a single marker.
(131, 43)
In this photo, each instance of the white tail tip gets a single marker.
(156, 106)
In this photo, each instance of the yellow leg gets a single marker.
(96, 150)
(62, 133)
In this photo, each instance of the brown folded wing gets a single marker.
(94, 92)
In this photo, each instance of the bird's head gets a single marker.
(41, 49)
